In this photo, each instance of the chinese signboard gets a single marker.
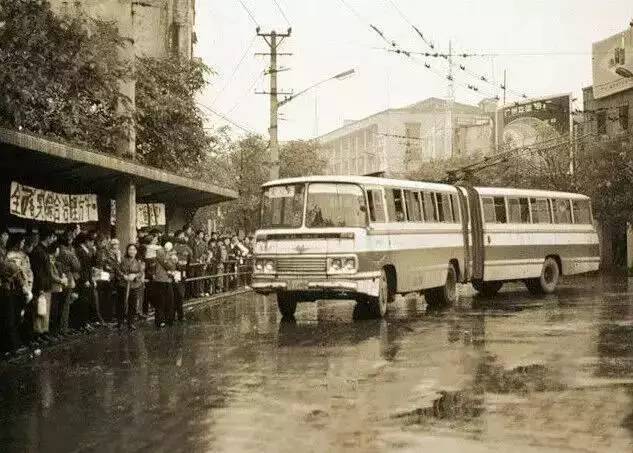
(534, 121)
(46, 206)
(147, 214)
(151, 214)
(613, 64)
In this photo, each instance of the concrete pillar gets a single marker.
(629, 246)
(126, 213)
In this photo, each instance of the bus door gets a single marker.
(464, 210)
(477, 228)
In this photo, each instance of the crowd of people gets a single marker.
(54, 285)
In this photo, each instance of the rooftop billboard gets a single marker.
(613, 64)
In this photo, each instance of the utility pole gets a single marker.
(505, 86)
(449, 103)
(274, 40)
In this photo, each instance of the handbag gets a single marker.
(42, 307)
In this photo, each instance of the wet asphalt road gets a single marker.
(516, 374)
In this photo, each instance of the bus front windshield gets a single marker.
(335, 205)
(282, 206)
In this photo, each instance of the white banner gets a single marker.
(147, 214)
(46, 206)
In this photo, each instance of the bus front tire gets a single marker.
(487, 289)
(547, 282)
(446, 295)
(377, 306)
(287, 305)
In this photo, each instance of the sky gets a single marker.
(544, 46)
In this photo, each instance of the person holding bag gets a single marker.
(130, 277)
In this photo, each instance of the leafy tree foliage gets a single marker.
(244, 167)
(169, 126)
(60, 75)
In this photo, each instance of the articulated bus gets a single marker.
(368, 239)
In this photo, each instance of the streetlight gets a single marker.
(341, 76)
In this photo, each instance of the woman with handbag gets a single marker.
(51, 281)
(21, 288)
(130, 277)
(68, 264)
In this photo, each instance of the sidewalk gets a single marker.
(188, 306)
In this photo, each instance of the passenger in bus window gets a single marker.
(430, 214)
(540, 210)
(562, 211)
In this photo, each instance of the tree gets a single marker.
(170, 130)
(300, 158)
(60, 76)
(244, 166)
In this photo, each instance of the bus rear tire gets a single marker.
(446, 295)
(547, 282)
(487, 289)
(287, 304)
(377, 306)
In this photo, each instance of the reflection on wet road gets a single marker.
(513, 374)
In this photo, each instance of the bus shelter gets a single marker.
(47, 182)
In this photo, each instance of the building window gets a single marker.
(601, 119)
(624, 117)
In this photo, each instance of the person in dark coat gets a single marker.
(130, 276)
(85, 283)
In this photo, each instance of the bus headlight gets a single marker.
(343, 265)
(265, 265)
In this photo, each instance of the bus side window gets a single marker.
(444, 207)
(413, 206)
(562, 210)
(582, 212)
(430, 215)
(489, 209)
(519, 210)
(540, 210)
(457, 215)
(376, 207)
(398, 205)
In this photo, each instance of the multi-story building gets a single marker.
(394, 141)
(158, 27)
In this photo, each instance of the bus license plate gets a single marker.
(297, 284)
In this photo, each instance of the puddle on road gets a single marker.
(490, 377)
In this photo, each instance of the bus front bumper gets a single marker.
(361, 283)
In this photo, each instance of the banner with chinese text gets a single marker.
(46, 206)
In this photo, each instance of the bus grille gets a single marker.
(308, 265)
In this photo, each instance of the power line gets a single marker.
(248, 11)
(258, 77)
(282, 12)
(227, 119)
(237, 66)
(415, 28)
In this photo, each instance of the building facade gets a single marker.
(395, 141)
(158, 27)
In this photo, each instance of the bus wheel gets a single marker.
(444, 295)
(287, 304)
(548, 281)
(487, 289)
(378, 305)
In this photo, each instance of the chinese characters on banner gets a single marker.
(46, 206)
(147, 214)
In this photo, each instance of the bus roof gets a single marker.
(366, 181)
(421, 185)
(508, 191)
